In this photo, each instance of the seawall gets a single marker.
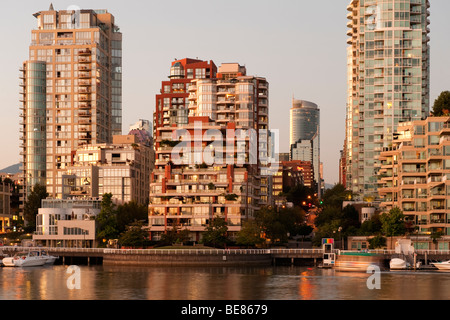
(198, 259)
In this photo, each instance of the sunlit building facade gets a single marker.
(305, 138)
(204, 168)
(121, 168)
(71, 92)
(415, 175)
(388, 62)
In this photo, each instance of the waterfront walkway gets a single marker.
(198, 256)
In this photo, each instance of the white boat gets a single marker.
(398, 264)
(50, 259)
(8, 262)
(30, 259)
(445, 265)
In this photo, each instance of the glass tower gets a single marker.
(34, 82)
(305, 135)
(388, 82)
(79, 55)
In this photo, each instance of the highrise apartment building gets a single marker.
(388, 61)
(72, 96)
(305, 137)
(415, 173)
(204, 167)
(172, 104)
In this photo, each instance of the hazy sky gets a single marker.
(298, 45)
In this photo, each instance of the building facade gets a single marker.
(172, 104)
(305, 137)
(415, 173)
(122, 168)
(210, 166)
(71, 91)
(67, 223)
(6, 216)
(289, 175)
(388, 63)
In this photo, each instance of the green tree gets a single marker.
(350, 218)
(175, 235)
(130, 212)
(328, 215)
(32, 205)
(134, 236)
(335, 196)
(377, 242)
(371, 226)
(250, 234)
(441, 105)
(107, 227)
(393, 223)
(278, 223)
(216, 233)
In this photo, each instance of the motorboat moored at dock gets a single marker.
(445, 265)
(25, 259)
(398, 264)
(30, 259)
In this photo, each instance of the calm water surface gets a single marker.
(268, 283)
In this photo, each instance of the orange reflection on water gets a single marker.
(305, 286)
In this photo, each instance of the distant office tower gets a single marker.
(305, 137)
(388, 62)
(72, 96)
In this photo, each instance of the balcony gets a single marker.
(84, 106)
(85, 136)
(84, 121)
(84, 75)
(84, 60)
(86, 67)
(84, 97)
(86, 52)
(84, 114)
(84, 83)
(84, 90)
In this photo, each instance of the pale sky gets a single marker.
(298, 45)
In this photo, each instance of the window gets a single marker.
(48, 18)
(200, 73)
(190, 73)
(75, 231)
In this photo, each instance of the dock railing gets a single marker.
(291, 252)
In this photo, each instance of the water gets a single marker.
(216, 283)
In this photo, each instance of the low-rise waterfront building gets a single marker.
(414, 175)
(67, 223)
(5, 206)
